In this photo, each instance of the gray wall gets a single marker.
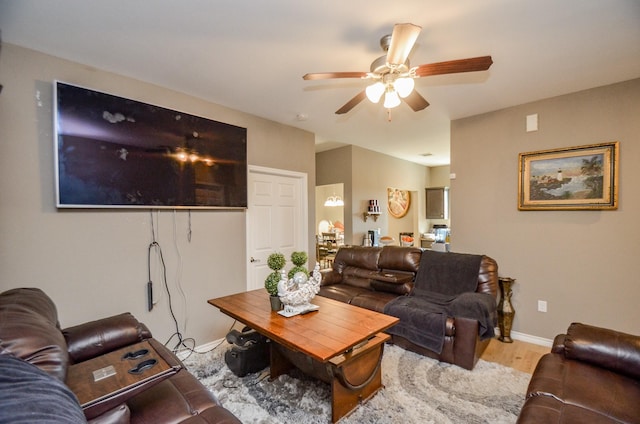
(94, 263)
(583, 263)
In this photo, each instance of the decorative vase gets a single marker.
(505, 309)
(276, 303)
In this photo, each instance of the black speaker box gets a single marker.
(251, 357)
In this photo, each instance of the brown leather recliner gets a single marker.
(371, 277)
(591, 375)
(30, 331)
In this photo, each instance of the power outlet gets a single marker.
(542, 306)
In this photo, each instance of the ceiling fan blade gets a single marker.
(329, 75)
(481, 63)
(352, 103)
(416, 101)
(402, 40)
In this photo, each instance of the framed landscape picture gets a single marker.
(571, 178)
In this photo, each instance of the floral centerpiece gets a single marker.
(297, 291)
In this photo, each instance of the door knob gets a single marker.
(254, 260)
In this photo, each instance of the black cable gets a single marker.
(156, 245)
(182, 342)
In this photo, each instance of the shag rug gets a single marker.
(417, 390)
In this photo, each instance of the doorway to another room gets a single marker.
(329, 222)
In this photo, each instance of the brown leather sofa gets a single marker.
(372, 277)
(591, 375)
(30, 331)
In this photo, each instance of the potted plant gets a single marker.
(276, 262)
(298, 259)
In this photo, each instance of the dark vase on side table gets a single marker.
(505, 309)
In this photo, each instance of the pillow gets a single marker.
(29, 395)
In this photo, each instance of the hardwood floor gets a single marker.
(519, 355)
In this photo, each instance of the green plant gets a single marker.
(271, 283)
(298, 259)
(276, 261)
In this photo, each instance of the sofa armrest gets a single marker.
(478, 306)
(558, 344)
(330, 276)
(94, 338)
(610, 349)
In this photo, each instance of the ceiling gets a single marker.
(251, 56)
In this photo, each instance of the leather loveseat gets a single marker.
(591, 375)
(375, 277)
(33, 348)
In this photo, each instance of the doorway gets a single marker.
(329, 218)
(277, 219)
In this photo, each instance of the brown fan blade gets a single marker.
(402, 40)
(329, 75)
(454, 66)
(352, 103)
(416, 101)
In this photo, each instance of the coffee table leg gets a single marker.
(279, 364)
(356, 380)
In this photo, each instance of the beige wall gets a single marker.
(581, 262)
(94, 263)
(366, 175)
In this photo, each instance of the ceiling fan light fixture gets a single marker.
(404, 86)
(391, 99)
(375, 92)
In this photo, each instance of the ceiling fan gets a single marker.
(394, 77)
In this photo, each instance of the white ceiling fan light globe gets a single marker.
(375, 92)
(391, 99)
(404, 86)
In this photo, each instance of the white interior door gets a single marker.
(276, 219)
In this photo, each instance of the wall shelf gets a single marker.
(367, 215)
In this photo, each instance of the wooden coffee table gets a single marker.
(340, 344)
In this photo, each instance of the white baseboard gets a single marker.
(541, 341)
(184, 353)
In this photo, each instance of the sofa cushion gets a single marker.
(358, 277)
(342, 292)
(178, 399)
(603, 347)
(547, 409)
(447, 273)
(397, 289)
(400, 258)
(358, 257)
(586, 386)
(373, 301)
(29, 330)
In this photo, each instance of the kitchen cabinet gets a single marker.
(437, 202)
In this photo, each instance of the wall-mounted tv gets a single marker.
(113, 152)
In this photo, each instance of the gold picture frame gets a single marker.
(398, 202)
(570, 178)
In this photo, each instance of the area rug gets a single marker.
(417, 390)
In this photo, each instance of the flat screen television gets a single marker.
(113, 152)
